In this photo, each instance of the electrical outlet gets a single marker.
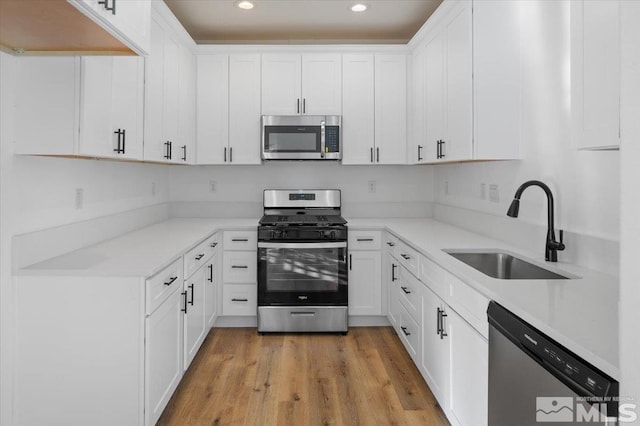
(446, 187)
(372, 186)
(153, 189)
(494, 193)
(79, 198)
(483, 191)
(213, 186)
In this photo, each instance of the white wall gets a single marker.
(38, 193)
(630, 204)
(400, 190)
(585, 184)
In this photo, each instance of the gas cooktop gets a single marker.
(302, 219)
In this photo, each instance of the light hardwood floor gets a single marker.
(363, 378)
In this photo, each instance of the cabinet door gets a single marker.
(244, 109)
(469, 372)
(322, 84)
(434, 95)
(163, 355)
(458, 136)
(97, 135)
(194, 318)
(212, 109)
(187, 107)
(391, 109)
(281, 84)
(211, 288)
(365, 283)
(358, 111)
(171, 99)
(392, 282)
(418, 151)
(435, 364)
(154, 139)
(595, 73)
(127, 106)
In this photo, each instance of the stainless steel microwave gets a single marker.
(301, 137)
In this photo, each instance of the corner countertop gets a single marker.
(581, 314)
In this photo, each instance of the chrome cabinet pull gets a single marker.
(420, 153)
(393, 272)
(105, 3)
(404, 330)
(192, 293)
(200, 256)
(239, 300)
(241, 240)
(184, 152)
(405, 290)
(365, 239)
(377, 155)
(210, 279)
(239, 267)
(405, 256)
(372, 154)
(184, 309)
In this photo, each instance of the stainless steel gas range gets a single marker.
(302, 262)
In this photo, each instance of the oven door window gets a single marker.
(302, 276)
(306, 139)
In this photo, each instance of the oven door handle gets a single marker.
(342, 244)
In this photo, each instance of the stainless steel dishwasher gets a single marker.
(533, 380)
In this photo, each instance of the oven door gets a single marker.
(302, 273)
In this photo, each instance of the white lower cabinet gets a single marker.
(391, 282)
(239, 273)
(195, 329)
(435, 365)
(365, 283)
(469, 373)
(163, 355)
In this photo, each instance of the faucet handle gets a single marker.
(560, 245)
(561, 235)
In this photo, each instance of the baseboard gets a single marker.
(354, 321)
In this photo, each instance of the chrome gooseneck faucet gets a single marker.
(552, 246)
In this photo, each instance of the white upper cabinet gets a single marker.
(416, 125)
(244, 109)
(111, 106)
(448, 89)
(374, 123)
(212, 108)
(595, 74)
(472, 91)
(358, 108)
(170, 99)
(295, 84)
(281, 84)
(89, 106)
(127, 20)
(390, 109)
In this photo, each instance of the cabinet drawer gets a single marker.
(163, 284)
(199, 255)
(409, 258)
(471, 305)
(390, 243)
(241, 240)
(239, 299)
(434, 277)
(365, 240)
(239, 267)
(410, 294)
(410, 332)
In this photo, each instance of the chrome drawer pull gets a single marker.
(405, 290)
(365, 239)
(239, 300)
(405, 256)
(239, 267)
(239, 240)
(404, 330)
(303, 314)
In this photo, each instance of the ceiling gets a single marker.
(302, 21)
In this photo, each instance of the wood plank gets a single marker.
(242, 378)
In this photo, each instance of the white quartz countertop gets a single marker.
(141, 253)
(581, 314)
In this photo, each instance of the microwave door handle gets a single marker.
(322, 138)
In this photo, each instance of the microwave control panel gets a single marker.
(332, 139)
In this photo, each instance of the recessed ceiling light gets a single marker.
(244, 4)
(359, 7)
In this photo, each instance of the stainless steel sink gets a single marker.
(505, 266)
